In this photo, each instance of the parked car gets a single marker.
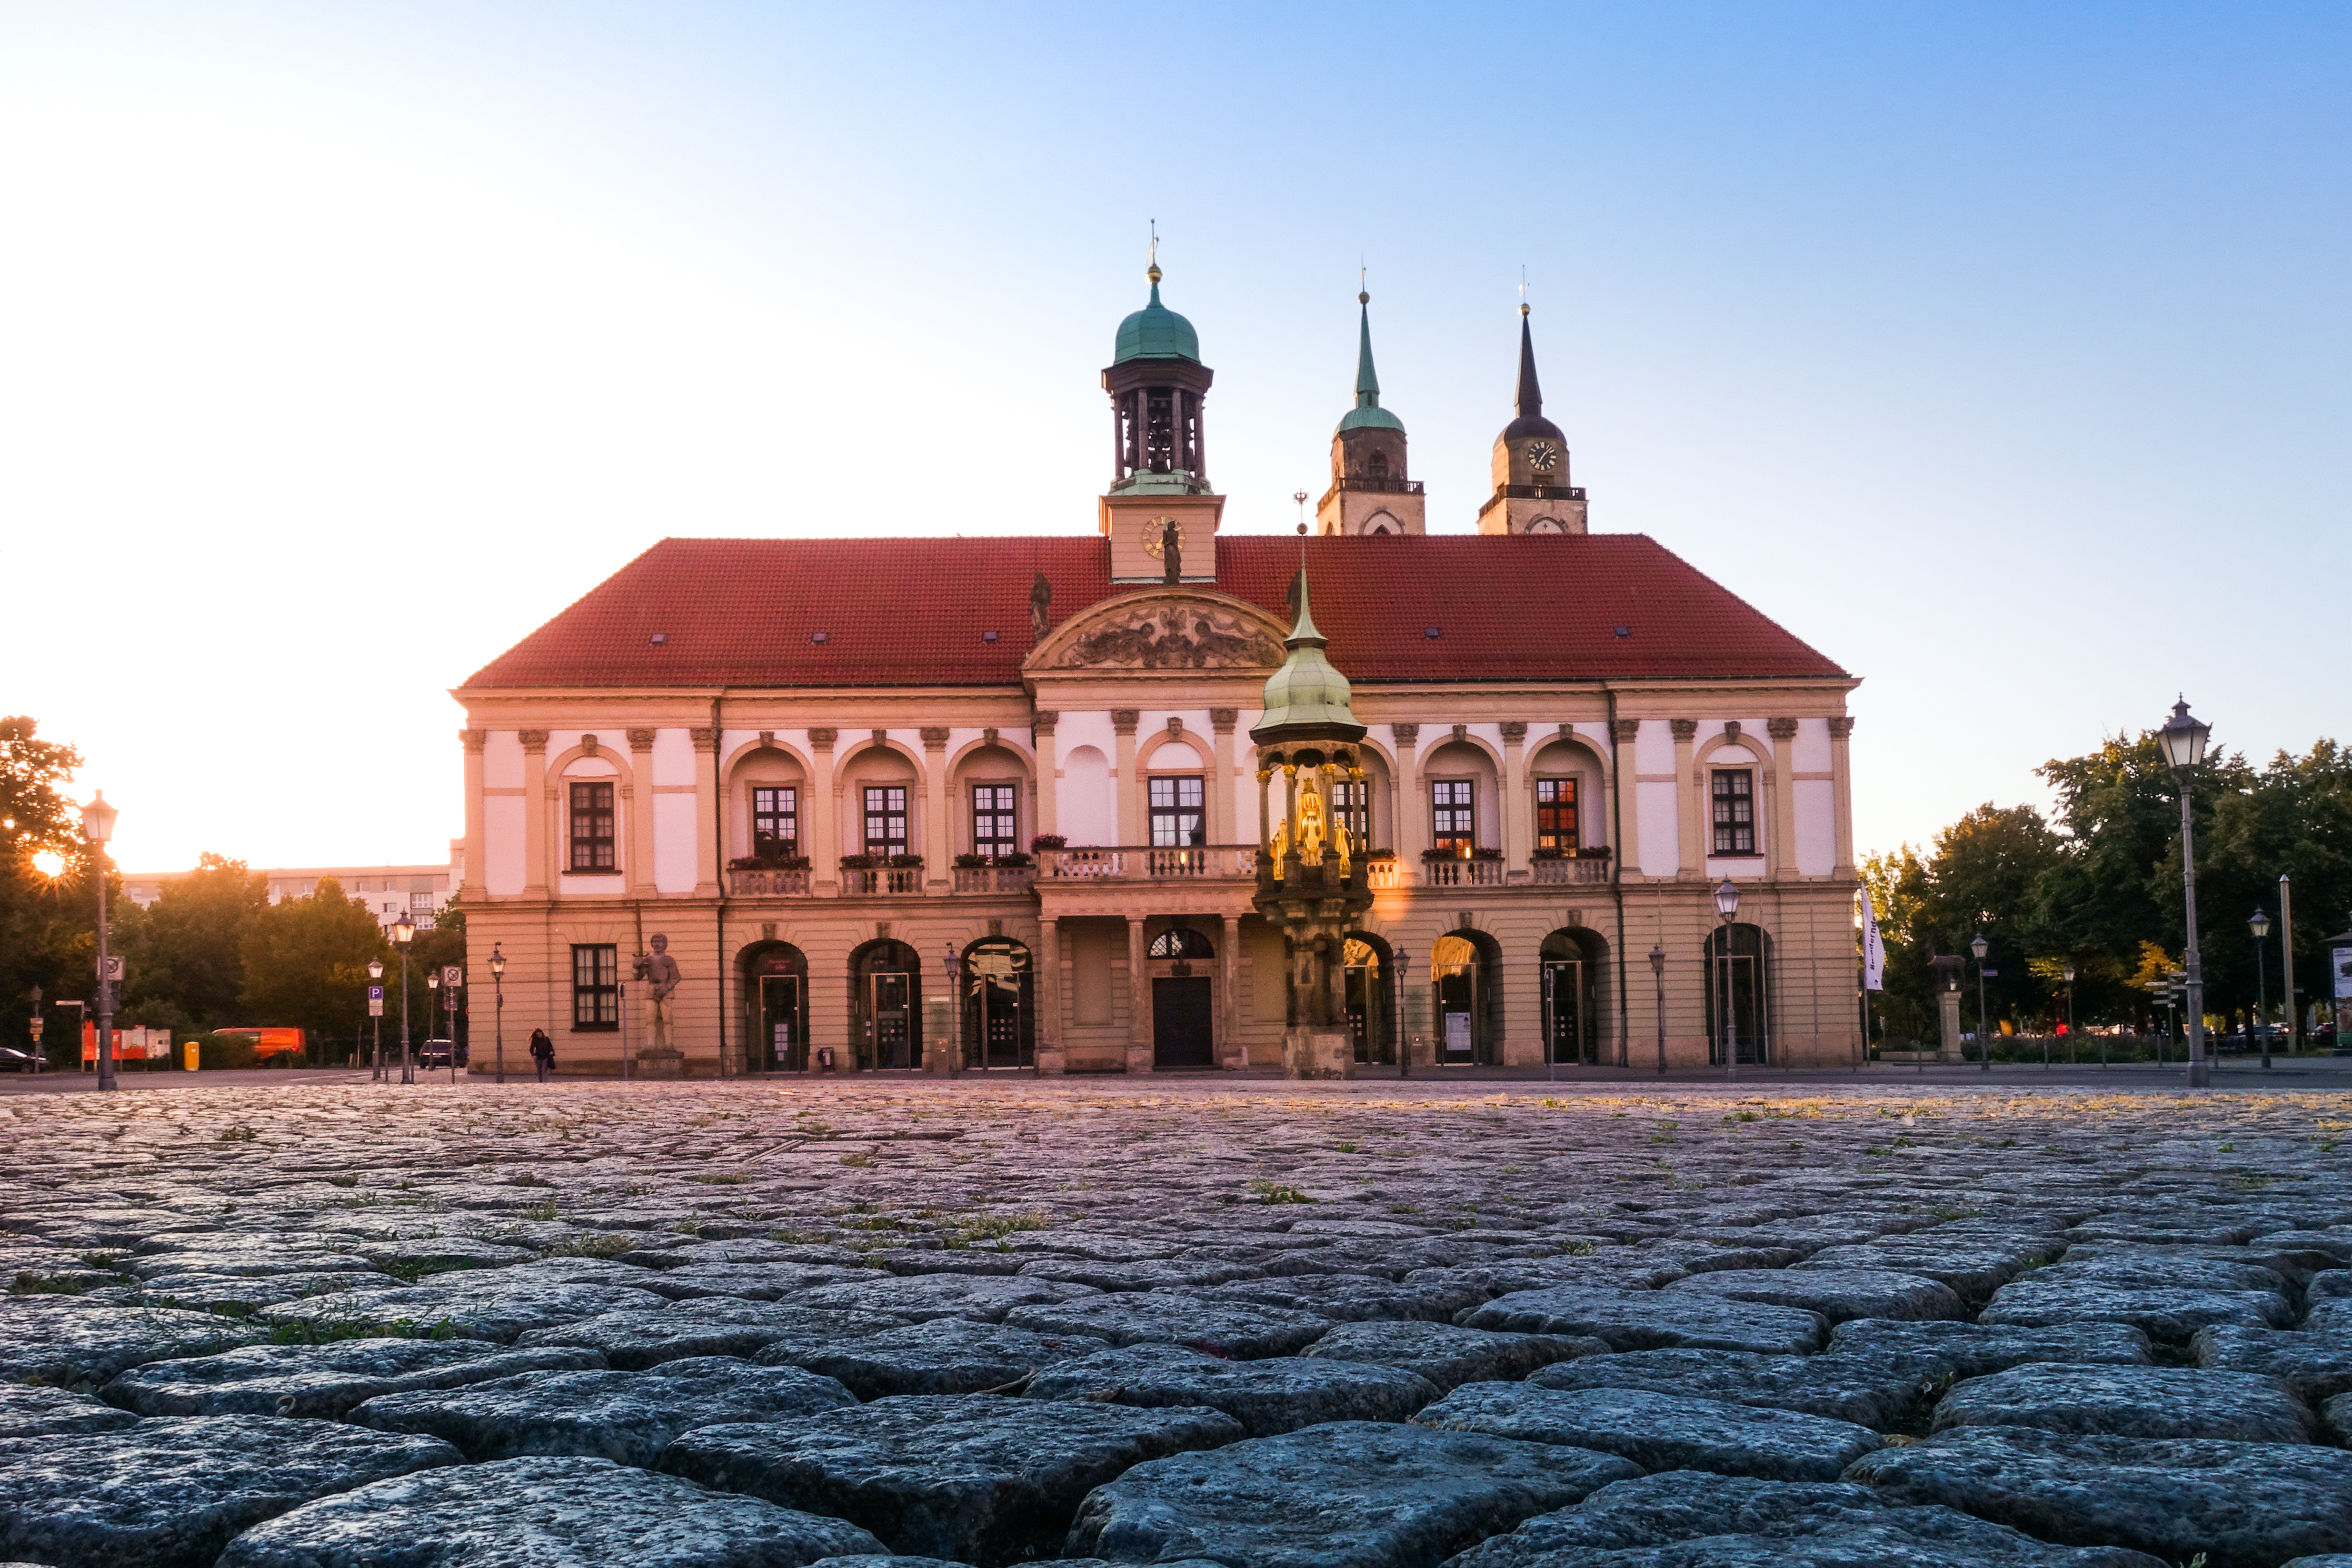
(14, 1060)
(435, 1053)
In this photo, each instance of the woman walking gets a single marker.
(542, 1051)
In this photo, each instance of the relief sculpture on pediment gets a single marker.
(1179, 636)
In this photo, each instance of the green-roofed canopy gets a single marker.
(1307, 699)
(1156, 332)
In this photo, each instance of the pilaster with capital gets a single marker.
(1049, 788)
(1128, 787)
(1622, 735)
(640, 866)
(1842, 789)
(709, 810)
(1222, 823)
(1048, 973)
(1139, 998)
(1783, 848)
(1518, 835)
(937, 854)
(1692, 800)
(537, 807)
(1411, 813)
(824, 834)
(470, 889)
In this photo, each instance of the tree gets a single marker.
(305, 963)
(1987, 867)
(187, 953)
(49, 913)
(1896, 886)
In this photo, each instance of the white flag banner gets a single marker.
(1873, 951)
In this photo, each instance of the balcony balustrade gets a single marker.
(1148, 863)
(892, 880)
(1583, 870)
(993, 878)
(768, 884)
(1383, 875)
(1462, 873)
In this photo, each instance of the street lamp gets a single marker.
(499, 982)
(2176, 990)
(404, 932)
(2183, 739)
(2261, 926)
(433, 995)
(1984, 1045)
(2069, 973)
(1404, 1047)
(1658, 969)
(952, 983)
(375, 974)
(1727, 904)
(98, 826)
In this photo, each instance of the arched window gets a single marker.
(1181, 942)
(1379, 465)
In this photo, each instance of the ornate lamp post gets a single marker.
(450, 1006)
(404, 932)
(2069, 973)
(98, 826)
(433, 995)
(498, 984)
(1984, 1041)
(953, 983)
(1404, 1047)
(2261, 926)
(2183, 739)
(1727, 904)
(375, 974)
(1658, 970)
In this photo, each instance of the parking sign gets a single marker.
(375, 1001)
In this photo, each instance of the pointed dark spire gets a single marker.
(1368, 383)
(1530, 400)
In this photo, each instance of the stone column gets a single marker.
(1842, 790)
(1623, 739)
(1411, 811)
(708, 808)
(1138, 998)
(1046, 965)
(1690, 792)
(1223, 828)
(535, 880)
(824, 842)
(1128, 788)
(1783, 855)
(1519, 837)
(470, 892)
(640, 867)
(938, 841)
(1231, 1053)
(1049, 786)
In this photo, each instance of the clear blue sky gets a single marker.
(1999, 350)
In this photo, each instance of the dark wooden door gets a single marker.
(1180, 1029)
(893, 1022)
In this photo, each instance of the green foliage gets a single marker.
(305, 965)
(48, 925)
(224, 1053)
(187, 952)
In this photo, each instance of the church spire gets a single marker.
(1530, 398)
(1368, 381)
(1370, 492)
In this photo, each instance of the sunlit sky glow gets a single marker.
(1996, 351)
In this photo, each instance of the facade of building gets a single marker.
(387, 890)
(962, 804)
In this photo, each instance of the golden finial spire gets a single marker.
(1152, 257)
(1363, 296)
(1523, 290)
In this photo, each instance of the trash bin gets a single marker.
(824, 1059)
(188, 1052)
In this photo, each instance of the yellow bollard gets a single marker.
(191, 1048)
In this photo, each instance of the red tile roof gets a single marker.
(912, 612)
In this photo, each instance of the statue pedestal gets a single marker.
(1315, 1052)
(1948, 1013)
(655, 1062)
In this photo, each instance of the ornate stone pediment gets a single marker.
(1172, 632)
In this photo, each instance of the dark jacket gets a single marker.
(541, 1046)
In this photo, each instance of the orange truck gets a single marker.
(267, 1043)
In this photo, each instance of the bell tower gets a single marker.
(1532, 494)
(1159, 448)
(1370, 491)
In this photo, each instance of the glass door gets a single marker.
(1564, 1012)
(779, 1024)
(893, 1016)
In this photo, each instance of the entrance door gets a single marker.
(1457, 1012)
(1180, 1035)
(1367, 1019)
(778, 1043)
(893, 1014)
(1564, 1010)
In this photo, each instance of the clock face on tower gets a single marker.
(1155, 534)
(1543, 457)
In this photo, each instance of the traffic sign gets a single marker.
(452, 976)
(110, 969)
(375, 1001)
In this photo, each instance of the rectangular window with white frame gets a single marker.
(886, 819)
(1352, 806)
(1735, 811)
(1453, 816)
(1177, 804)
(775, 820)
(994, 820)
(592, 828)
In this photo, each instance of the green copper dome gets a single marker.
(1307, 699)
(1368, 414)
(1156, 332)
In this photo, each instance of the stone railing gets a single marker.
(1382, 875)
(1462, 873)
(894, 879)
(1149, 863)
(1584, 869)
(767, 884)
(993, 878)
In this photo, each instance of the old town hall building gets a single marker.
(977, 804)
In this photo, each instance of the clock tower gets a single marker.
(1370, 492)
(1159, 448)
(1532, 494)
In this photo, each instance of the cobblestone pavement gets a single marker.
(1180, 1322)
